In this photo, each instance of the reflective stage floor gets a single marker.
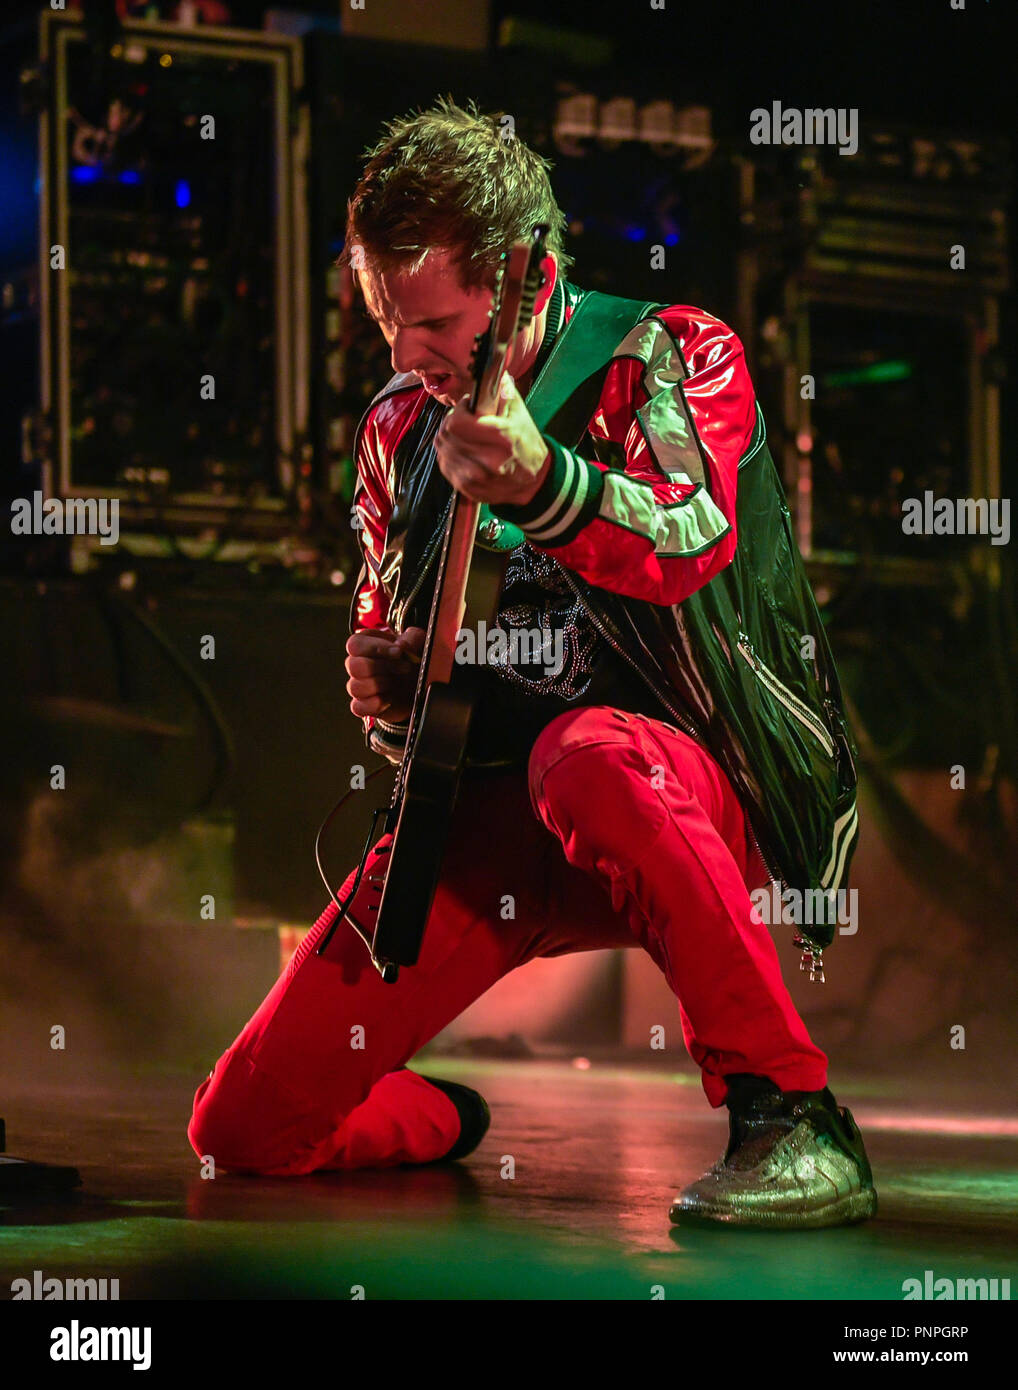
(600, 1145)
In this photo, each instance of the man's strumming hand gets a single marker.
(383, 667)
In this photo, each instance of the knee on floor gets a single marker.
(241, 1127)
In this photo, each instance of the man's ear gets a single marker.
(549, 268)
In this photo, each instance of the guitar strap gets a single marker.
(568, 387)
(565, 394)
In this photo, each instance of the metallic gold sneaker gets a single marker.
(795, 1160)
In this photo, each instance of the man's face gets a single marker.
(429, 321)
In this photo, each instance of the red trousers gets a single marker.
(625, 832)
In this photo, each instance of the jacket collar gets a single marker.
(554, 322)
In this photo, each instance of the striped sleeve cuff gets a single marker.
(566, 502)
(387, 739)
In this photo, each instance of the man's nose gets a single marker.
(405, 351)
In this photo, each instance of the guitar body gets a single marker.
(424, 814)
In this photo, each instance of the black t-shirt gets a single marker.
(549, 658)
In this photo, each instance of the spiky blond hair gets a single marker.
(455, 179)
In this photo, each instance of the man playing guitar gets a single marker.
(635, 797)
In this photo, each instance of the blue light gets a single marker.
(636, 234)
(672, 239)
(85, 173)
(130, 176)
(182, 194)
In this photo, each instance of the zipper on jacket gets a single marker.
(812, 955)
(835, 721)
(792, 703)
(429, 555)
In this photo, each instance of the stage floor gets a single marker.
(599, 1150)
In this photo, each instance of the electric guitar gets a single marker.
(468, 587)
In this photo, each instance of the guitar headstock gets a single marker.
(518, 279)
(534, 277)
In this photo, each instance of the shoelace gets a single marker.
(753, 1143)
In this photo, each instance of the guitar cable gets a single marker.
(343, 907)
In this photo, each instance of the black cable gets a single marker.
(343, 907)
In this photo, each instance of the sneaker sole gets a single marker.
(846, 1211)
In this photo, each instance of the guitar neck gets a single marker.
(454, 565)
(515, 294)
(484, 400)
